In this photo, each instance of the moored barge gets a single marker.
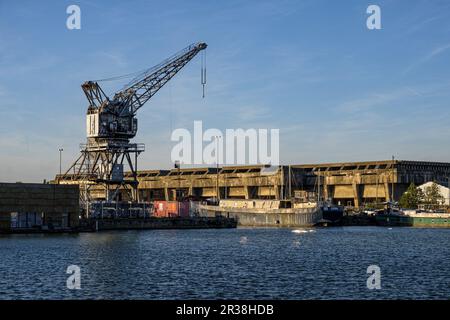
(266, 213)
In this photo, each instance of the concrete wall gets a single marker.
(359, 183)
(51, 201)
(350, 183)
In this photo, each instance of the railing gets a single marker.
(114, 146)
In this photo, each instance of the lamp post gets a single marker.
(393, 176)
(217, 167)
(448, 201)
(177, 191)
(60, 160)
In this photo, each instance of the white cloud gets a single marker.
(116, 58)
(375, 100)
(433, 53)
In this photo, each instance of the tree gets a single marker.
(433, 196)
(412, 197)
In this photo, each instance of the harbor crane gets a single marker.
(110, 125)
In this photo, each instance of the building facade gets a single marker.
(346, 183)
(34, 205)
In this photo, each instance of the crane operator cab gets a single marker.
(107, 125)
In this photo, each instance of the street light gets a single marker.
(393, 177)
(217, 167)
(60, 158)
(178, 191)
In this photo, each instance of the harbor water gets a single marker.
(243, 263)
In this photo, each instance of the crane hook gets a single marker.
(203, 72)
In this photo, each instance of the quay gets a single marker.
(157, 223)
(54, 208)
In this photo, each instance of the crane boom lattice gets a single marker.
(111, 123)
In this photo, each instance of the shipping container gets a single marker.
(160, 209)
(184, 208)
(171, 209)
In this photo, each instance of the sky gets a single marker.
(336, 90)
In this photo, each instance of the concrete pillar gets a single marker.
(136, 194)
(276, 190)
(166, 194)
(191, 191)
(356, 195)
(326, 194)
(246, 192)
(386, 191)
(329, 193)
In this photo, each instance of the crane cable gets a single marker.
(129, 75)
(142, 72)
(203, 72)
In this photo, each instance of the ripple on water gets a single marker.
(241, 263)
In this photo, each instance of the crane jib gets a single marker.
(115, 116)
(189, 49)
(111, 123)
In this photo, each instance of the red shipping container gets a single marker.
(171, 209)
(160, 209)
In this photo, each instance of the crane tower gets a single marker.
(110, 125)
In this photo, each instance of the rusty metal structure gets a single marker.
(110, 125)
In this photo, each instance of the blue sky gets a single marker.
(336, 90)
